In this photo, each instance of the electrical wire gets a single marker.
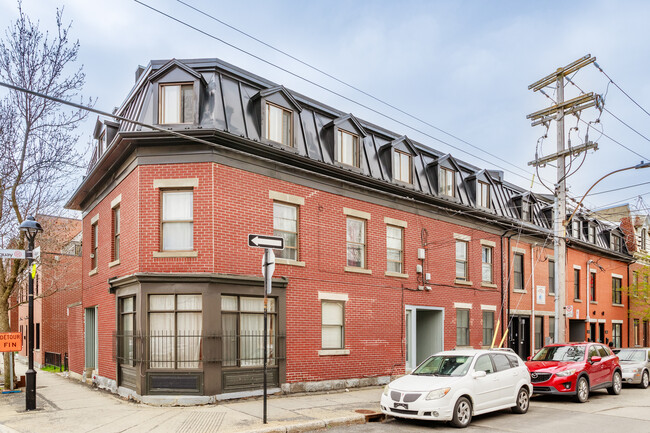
(619, 88)
(618, 189)
(322, 87)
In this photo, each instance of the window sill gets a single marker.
(167, 254)
(463, 282)
(115, 263)
(395, 274)
(290, 262)
(93, 272)
(519, 291)
(333, 352)
(593, 302)
(577, 300)
(288, 147)
(357, 270)
(617, 305)
(490, 285)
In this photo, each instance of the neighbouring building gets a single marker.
(393, 250)
(57, 283)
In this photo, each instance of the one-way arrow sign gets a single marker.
(263, 241)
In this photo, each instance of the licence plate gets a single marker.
(400, 406)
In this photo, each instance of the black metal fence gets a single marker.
(57, 360)
(165, 350)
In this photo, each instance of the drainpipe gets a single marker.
(509, 264)
(533, 292)
(628, 305)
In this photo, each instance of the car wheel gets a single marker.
(644, 380)
(582, 390)
(617, 384)
(462, 413)
(523, 401)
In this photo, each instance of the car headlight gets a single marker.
(437, 393)
(634, 370)
(566, 373)
(386, 390)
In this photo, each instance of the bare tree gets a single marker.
(38, 154)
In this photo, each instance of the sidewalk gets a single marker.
(66, 405)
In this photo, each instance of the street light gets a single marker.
(635, 167)
(30, 227)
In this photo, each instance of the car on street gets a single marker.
(455, 385)
(635, 363)
(575, 369)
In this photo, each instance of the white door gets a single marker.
(507, 378)
(486, 389)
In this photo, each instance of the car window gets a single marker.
(501, 362)
(484, 363)
(630, 355)
(593, 352)
(444, 365)
(514, 362)
(603, 352)
(561, 353)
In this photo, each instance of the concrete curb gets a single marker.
(314, 425)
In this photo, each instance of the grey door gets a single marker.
(90, 321)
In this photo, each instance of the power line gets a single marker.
(618, 189)
(619, 88)
(327, 89)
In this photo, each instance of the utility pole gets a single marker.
(557, 112)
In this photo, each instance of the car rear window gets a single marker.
(501, 362)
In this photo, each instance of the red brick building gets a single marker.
(392, 250)
(57, 284)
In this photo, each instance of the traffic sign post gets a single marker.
(269, 243)
(12, 254)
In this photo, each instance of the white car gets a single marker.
(635, 363)
(458, 384)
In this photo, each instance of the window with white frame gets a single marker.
(279, 124)
(576, 284)
(488, 327)
(483, 195)
(356, 242)
(116, 233)
(348, 148)
(575, 229)
(285, 225)
(177, 103)
(394, 249)
(402, 166)
(617, 331)
(526, 210)
(644, 235)
(446, 183)
(462, 272)
(333, 324)
(177, 220)
(175, 327)
(518, 260)
(591, 233)
(551, 277)
(94, 245)
(617, 294)
(462, 327)
(486, 258)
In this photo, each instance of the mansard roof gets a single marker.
(228, 115)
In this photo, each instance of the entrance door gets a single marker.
(424, 332)
(601, 333)
(645, 334)
(520, 335)
(592, 332)
(90, 337)
(576, 330)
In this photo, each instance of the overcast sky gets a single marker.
(462, 66)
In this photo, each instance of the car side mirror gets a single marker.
(595, 359)
(478, 374)
(529, 358)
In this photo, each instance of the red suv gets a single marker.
(575, 369)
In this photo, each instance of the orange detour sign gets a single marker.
(11, 341)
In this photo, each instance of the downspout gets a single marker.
(588, 299)
(508, 311)
(628, 305)
(533, 292)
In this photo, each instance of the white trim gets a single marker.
(394, 222)
(592, 271)
(357, 270)
(395, 274)
(328, 296)
(490, 285)
(518, 250)
(167, 254)
(617, 276)
(116, 201)
(93, 272)
(356, 213)
(94, 219)
(462, 237)
(331, 352)
(603, 321)
(287, 198)
(488, 307)
(192, 182)
(115, 263)
(463, 282)
(488, 243)
(577, 267)
(617, 321)
(282, 261)
(463, 306)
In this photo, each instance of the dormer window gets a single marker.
(177, 103)
(525, 210)
(446, 184)
(402, 166)
(483, 194)
(591, 234)
(575, 229)
(617, 243)
(101, 143)
(279, 124)
(347, 148)
(644, 235)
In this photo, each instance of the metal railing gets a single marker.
(54, 359)
(164, 350)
